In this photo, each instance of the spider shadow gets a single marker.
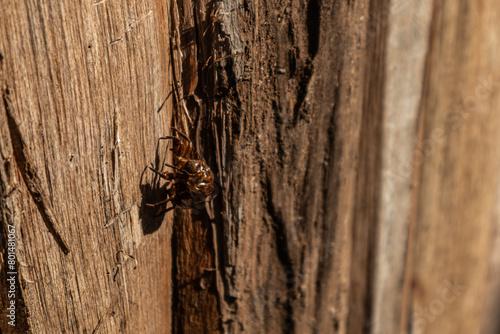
(152, 191)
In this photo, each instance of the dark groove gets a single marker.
(282, 249)
(278, 125)
(30, 176)
(313, 25)
(176, 306)
(302, 92)
(330, 200)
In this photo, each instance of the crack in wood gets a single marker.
(30, 176)
(283, 250)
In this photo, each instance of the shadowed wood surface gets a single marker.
(354, 146)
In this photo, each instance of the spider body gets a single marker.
(192, 179)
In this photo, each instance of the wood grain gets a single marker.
(86, 81)
(292, 135)
(458, 163)
(30, 176)
(354, 146)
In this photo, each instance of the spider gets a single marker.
(192, 179)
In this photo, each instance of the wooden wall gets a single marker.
(354, 145)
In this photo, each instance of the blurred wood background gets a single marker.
(355, 146)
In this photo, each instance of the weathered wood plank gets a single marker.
(291, 126)
(354, 145)
(457, 165)
(86, 81)
(406, 26)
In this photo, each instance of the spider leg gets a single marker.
(161, 202)
(185, 151)
(156, 172)
(168, 137)
(182, 134)
(165, 175)
(164, 211)
(177, 143)
(176, 168)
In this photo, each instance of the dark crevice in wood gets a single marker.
(330, 200)
(31, 178)
(304, 78)
(196, 301)
(283, 251)
(313, 26)
(10, 274)
(176, 323)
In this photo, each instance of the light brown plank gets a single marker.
(86, 81)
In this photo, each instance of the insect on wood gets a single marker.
(192, 180)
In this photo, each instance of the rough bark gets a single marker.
(292, 134)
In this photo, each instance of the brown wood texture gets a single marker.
(417, 220)
(455, 204)
(354, 146)
(84, 83)
(292, 139)
(196, 295)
